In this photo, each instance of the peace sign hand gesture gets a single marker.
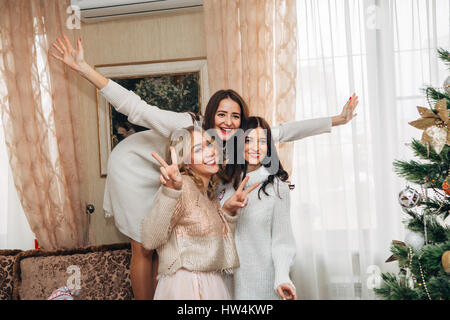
(239, 198)
(170, 175)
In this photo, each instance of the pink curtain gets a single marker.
(252, 48)
(38, 103)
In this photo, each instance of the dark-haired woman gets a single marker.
(263, 233)
(133, 175)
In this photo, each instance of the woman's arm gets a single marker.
(231, 220)
(165, 212)
(123, 100)
(296, 130)
(143, 114)
(167, 206)
(283, 241)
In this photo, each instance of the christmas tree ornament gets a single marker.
(437, 137)
(446, 186)
(446, 85)
(409, 276)
(446, 261)
(435, 125)
(423, 280)
(409, 198)
(415, 240)
(425, 196)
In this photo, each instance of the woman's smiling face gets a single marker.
(227, 118)
(203, 154)
(255, 146)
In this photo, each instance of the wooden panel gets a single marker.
(161, 37)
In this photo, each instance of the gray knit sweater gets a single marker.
(264, 240)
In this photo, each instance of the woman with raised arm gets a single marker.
(132, 179)
(186, 225)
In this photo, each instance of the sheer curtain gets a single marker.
(15, 232)
(251, 47)
(41, 122)
(344, 207)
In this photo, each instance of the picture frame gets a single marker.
(144, 70)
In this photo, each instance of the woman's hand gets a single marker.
(170, 175)
(347, 112)
(239, 198)
(286, 292)
(74, 59)
(69, 56)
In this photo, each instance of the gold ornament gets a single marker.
(437, 137)
(446, 261)
(435, 126)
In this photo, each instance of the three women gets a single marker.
(133, 176)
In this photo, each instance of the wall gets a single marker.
(151, 38)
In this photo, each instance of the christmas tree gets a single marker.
(424, 256)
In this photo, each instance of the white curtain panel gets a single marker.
(345, 211)
(15, 232)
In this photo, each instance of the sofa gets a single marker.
(98, 273)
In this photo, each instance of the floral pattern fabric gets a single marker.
(7, 258)
(103, 275)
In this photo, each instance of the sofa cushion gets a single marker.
(104, 273)
(7, 258)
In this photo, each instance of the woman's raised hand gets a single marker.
(239, 198)
(347, 113)
(74, 58)
(170, 175)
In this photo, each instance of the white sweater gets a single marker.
(264, 240)
(133, 174)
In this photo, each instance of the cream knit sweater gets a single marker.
(189, 231)
(133, 174)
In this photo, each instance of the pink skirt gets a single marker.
(190, 285)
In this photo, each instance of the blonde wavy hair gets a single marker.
(182, 140)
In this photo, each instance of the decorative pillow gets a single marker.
(102, 273)
(7, 258)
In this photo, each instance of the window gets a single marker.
(385, 51)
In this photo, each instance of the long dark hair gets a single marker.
(271, 156)
(231, 171)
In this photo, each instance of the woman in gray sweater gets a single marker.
(263, 233)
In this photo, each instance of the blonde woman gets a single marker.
(192, 234)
